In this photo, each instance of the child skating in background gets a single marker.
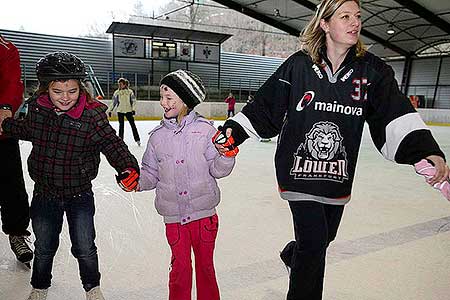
(182, 164)
(125, 101)
(68, 130)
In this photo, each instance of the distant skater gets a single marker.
(231, 104)
(125, 103)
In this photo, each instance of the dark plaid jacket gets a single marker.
(66, 147)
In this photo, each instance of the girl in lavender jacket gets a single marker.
(182, 164)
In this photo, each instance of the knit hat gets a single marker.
(188, 86)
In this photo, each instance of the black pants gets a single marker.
(315, 226)
(230, 113)
(14, 208)
(130, 119)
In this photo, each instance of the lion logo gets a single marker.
(324, 141)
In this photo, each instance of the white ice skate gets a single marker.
(94, 294)
(38, 294)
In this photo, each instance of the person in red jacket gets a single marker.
(14, 206)
(231, 102)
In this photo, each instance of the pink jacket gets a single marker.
(182, 164)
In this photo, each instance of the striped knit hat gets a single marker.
(188, 86)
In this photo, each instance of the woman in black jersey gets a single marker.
(317, 102)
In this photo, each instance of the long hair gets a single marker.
(43, 87)
(183, 112)
(313, 37)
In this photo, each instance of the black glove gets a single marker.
(110, 114)
(133, 112)
(238, 132)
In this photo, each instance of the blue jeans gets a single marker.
(47, 219)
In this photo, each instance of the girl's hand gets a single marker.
(221, 148)
(442, 170)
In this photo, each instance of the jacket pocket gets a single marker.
(204, 195)
(166, 202)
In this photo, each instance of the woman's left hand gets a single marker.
(442, 170)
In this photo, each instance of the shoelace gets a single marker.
(19, 245)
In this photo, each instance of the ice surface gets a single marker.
(365, 260)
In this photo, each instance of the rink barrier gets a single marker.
(151, 110)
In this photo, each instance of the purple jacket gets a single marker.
(182, 164)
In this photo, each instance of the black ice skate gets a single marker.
(21, 249)
(286, 255)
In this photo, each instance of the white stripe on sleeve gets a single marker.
(245, 123)
(396, 131)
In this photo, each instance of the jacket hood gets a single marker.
(75, 112)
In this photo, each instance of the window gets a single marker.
(162, 49)
(435, 50)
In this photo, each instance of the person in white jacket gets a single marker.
(125, 101)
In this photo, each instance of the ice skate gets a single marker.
(286, 255)
(38, 294)
(21, 249)
(94, 294)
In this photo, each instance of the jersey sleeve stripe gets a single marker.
(396, 131)
(245, 123)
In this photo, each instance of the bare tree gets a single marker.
(97, 30)
(248, 35)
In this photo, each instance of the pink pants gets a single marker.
(199, 235)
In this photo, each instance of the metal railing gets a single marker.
(146, 87)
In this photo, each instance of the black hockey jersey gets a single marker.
(319, 117)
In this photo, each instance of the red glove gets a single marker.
(128, 180)
(221, 139)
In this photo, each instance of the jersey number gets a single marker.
(360, 92)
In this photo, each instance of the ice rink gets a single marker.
(393, 242)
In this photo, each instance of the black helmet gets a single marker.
(60, 65)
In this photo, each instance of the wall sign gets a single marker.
(129, 47)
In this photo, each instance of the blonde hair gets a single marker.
(183, 112)
(313, 37)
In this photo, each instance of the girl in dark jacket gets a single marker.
(68, 130)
